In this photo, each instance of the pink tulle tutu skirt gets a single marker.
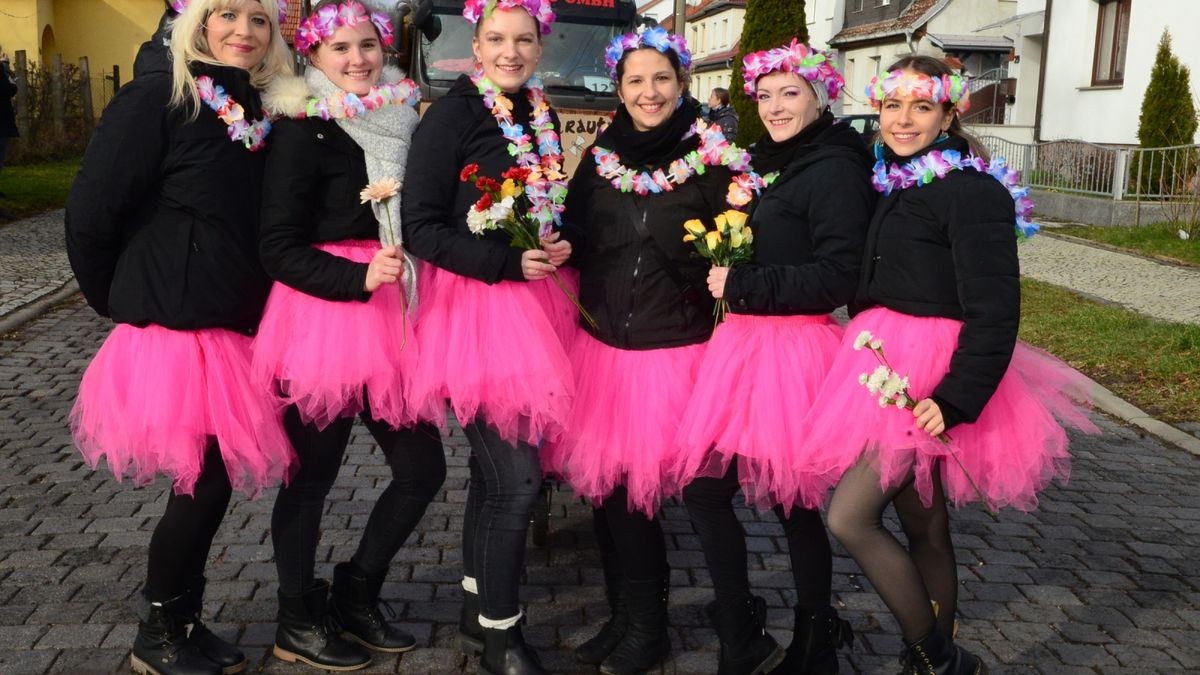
(622, 428)
(321, 355)
(1013, 451)
(496, 351)
(153, 399)
(760, 376)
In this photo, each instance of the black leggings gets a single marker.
(906, 580)
(418, 467)
(181, 540)
(635, 539)
(709, 502)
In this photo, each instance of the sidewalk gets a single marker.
(33, 263)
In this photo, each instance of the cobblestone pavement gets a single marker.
(1160, 290)
(1103, 578)
(33, 260)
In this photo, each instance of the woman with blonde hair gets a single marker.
(161, 230)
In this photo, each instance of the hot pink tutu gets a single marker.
(153, 398)
(760, 375)
(496, 351)
(622, 428)
(1012, 451)
(324, 353)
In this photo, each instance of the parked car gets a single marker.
(867, 126)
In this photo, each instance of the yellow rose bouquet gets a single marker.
(730, 243)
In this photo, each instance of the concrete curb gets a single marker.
(1125, 411)
(35, 308)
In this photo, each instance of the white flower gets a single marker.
(884, 401)
(901, 401)
(876, 345)
(892, 386)
(862, 340)
(1183, 234)
(862, 379)
(501, 210)
(477, 221)
(877, 378)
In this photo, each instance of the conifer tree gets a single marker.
(767, 24)
(1168, 118)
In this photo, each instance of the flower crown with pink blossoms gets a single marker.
(477, 10)
(812, 64)
(950, 89)
(656, 37)
(180, 5)
(321, 24)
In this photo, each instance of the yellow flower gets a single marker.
(735, 239)
(382, 189)
(713, 239)
(509, 189)
(748, 235)
(737, 219)
(695, 227)
(689, 237)
(722, 223)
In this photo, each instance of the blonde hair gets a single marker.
(189, 44)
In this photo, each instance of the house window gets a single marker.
(1112, 42)
(856, 5)
(881, 3)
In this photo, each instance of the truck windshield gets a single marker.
(572, 57)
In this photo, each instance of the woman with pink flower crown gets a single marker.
(765, 361)
(161, 231)
(336, 340)
(492, 322)
(656, 166)
(945, 403)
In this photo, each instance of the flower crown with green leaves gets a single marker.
(812, 64)
(950, 89)
(323, 23)
(654, 38)
(477, 10)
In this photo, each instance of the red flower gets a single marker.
(468, 172)
(487, 184)
(484, 203)
(517, 173)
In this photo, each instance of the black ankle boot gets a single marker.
(746, 648)
(595, 650)
(230, 658)
(162, 646)
(816, 637)
(355, 610)
(505, 653)
(646, 642)
(303, 633)
(935, 654)
(470, 633)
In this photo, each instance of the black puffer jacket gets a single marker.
(809, 228)
(949, 249)
(636, 301)
(727, 117)
(314, 174)
(455, 131)
(162, 219)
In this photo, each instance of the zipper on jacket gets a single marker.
(633, 288)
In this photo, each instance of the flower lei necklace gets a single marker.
(936, 164)
(714, 150)
(252, 134)
(345, 105)
(546, 187)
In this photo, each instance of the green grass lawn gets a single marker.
(34, 188)
(1159, 239)
(1154, 365)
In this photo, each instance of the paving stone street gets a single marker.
(1103, 578)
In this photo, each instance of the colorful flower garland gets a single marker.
(936, 164)
(476, 10)
(321, 25)
(546, 187)
(812, 64)
(654, 38)
(944, 89)
(345, 105)
(251, 134)
(714, 150)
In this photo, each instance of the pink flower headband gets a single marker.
(812, 64)
(180, 5)
(321, 25)
(476, 10)
(950, 89)
(654, 38)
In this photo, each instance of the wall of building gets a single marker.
(1071, 107)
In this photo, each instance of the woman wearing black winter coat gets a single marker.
(336, 340)
(634, 371)
(161, 228)
(765, 362)
(968, 414)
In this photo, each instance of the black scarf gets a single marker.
(654, 147)
(770, 156)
